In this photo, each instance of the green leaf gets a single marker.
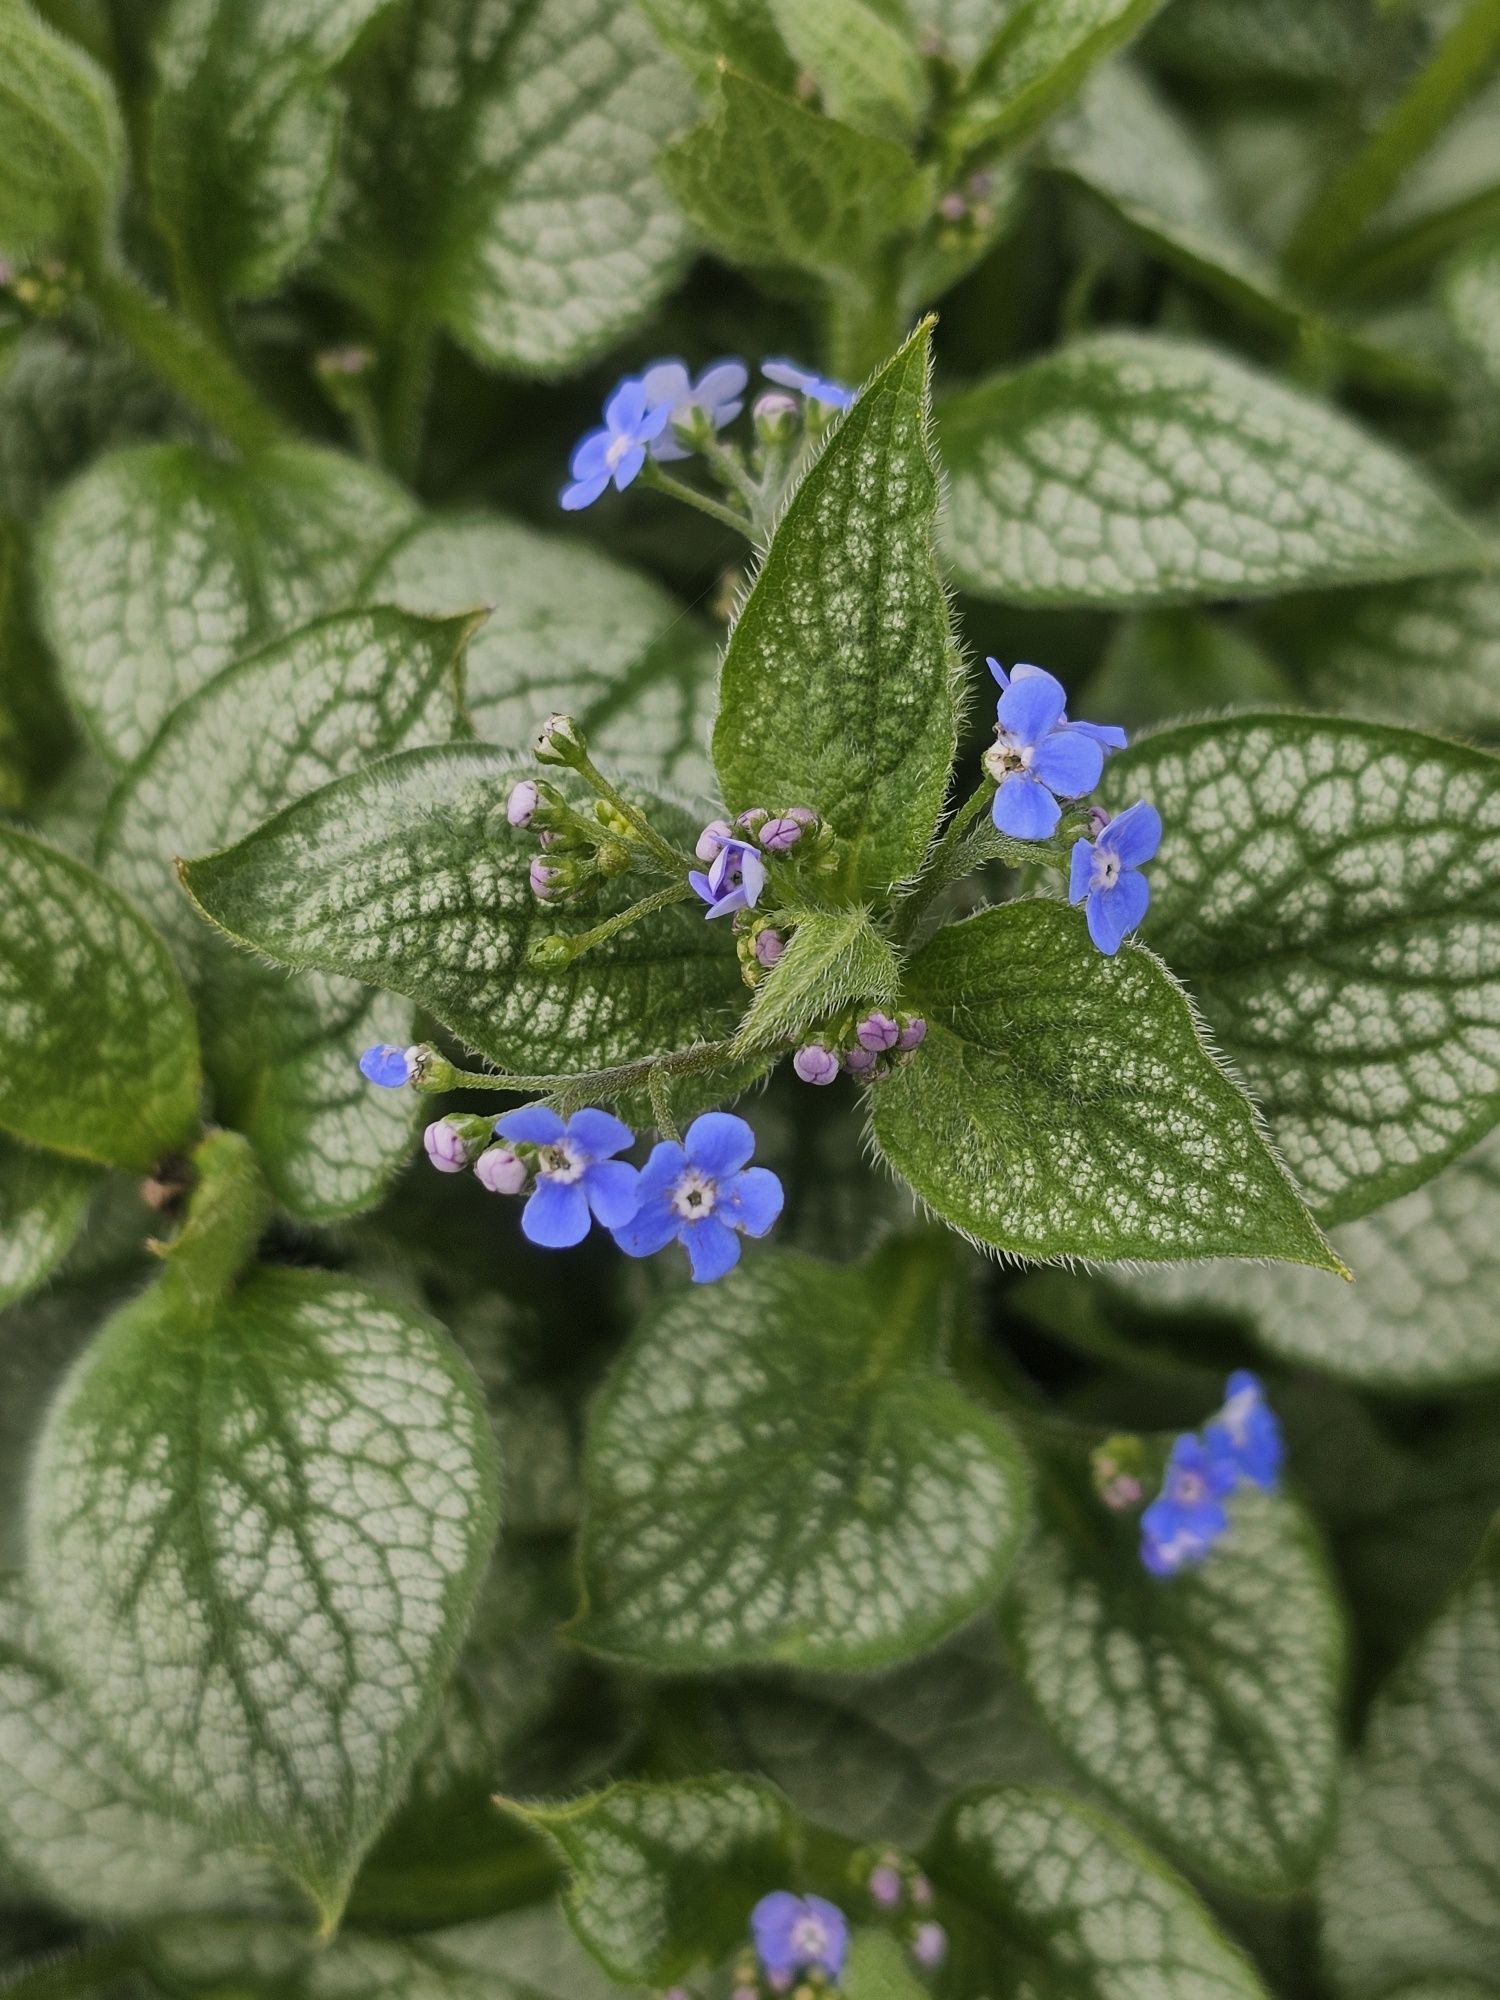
(1081, 1910)
(78, 1827)
(1204, 1706)
(878, 1969)
(1331, 893)
(663, 1875)
(571, 631)
(1039, 57)
(282, 1054)
(100, 1055)
(62, 402)
(793, 1477)
(60, 138)
(1471, 298)
(1160, 665)
(864, 64)
(245, 131)
(838, 686)
(264, 1520)
(740, 32)
(769, 182)
(1127, 470)
(835, 959)
(503, 179)
(42, 1201)
(1064, 1105)
(961, 29)
(332, 882)
(1411, 1888)
(1420, 1315)
(160, 565)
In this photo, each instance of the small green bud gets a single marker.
(561, 741)
(612, 858)
(549, 954)
(612, 819)
(431, 1070)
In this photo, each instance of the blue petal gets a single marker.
(755, 1199)
(1080, 870)
(719, 1143)
(1106, 734)
(997, 670)
(629, 466)
(836, 1928)
(613, 1189)
(534, 1124)
(1135, 834)
(1024, 809)
(712, 1249)
(666, 1166)
(721, 383)
(591, 456)
(725, 906)
(653, 424)
(1107, 926)
(1128, 900)
(788, 375)
(771, 1923)
(699, 883)
(385, 1065)
(599, 1134)
(583, 493)
(752, 877)
(651, 1228)
(1067, 763)
(666, 382)
(1031, 705)
(626, 407)
(667, 449)
(557, 1215)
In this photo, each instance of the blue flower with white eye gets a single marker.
(1186, 1519)
(1108, 735)
(576, 1173)
(705, 1195)
(734, 880)
(799, 1934)
(1105, 875)
(388, 1066)
(1038, 756)
(718, 393)
(787, 375)
(619, 450)
(1247, 1433)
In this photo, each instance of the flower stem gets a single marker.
(939, 869)
(733, 474)
(604, 1082)
(675, 892)
(661, 1106)
(678, 489)
(669, 856)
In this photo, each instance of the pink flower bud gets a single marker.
(913, 1033)
(446, 1150)
(769, 945)
(713, 839)
(777, 835)
(930, 1946)
(522, 803)
(498, 1169)
(752, 819)
(815, 1064)
(885, 1885)
(542, 878)
(859, 1061)
(877, 1032)
(953, 208)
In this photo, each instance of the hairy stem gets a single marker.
(678, 489)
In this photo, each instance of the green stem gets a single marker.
(227, 1213)
(406, 398)
(678, 489)
(733, 474)
(675, 892)
(661, 1106)
(602, 1082)
(669, 856)
(939, 868)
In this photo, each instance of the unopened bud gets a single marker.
(1118, 1467)
(561, 741)
(885, 1885)
(877, 1032)
(815, 1064)
(953, 207)
(611, 857)
(545, 879)
(498, 1169)
(769, 945)
(860, 1061)
(1100, 817)
(930, 1946)
(452, 1142)
(522, 803)
(777, 835)
(549, 954)
(913, 1032)
(775, 417)
(713, 839)
(921, 1891)
(752, 819)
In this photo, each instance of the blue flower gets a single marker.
(1182, 1524)
(575, 1173)
(718, 393)
(387, 1065)
(619, 450)
(1038, 756)
(1108, 735)
(789, 376)
(799, 1934)
(1246, 1432)
(1106, 877)
(703, 1195)
(734, 879)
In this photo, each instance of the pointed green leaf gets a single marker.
(1330, 891)
(838, 684)
(771, 183)
(835, 959)
(570, 631)
(100, 1054)
(1081, 1911)
(503, 179)
(42, 1200)
(1127, 469)
(792, 1477)
(407, 876)
(1205, 1706)
(264, 1522)
(1412, 1886)
(60, 139)
(160, 565)
(1471, 296)
(663, 1875)
(1041, 54)
(1065, 1105)
(864, 64)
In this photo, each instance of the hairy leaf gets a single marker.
(838, 684)
(1064, 1105)
(1040, 55)
(60, 138)
(792, 1477)
(265, 1521)
(835, 959)
(1331, 893)
(42, 1200)
(100, 1054)
(159, 565)
(864, 63)
(1128, 469)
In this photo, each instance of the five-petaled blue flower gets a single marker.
(734, 880)
(703, 1195)
(718, 392)
(619, 450)
(387, 1065)
(787, 375)
(1105, 874)
(1246, 1433)
(799, 1934)
(575, 1173)
(1185, 1520)
(1038, 756)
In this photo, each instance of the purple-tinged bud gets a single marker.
(777, 835)
(877, 1032)
(1118, 1466)
(549, 836)
(714, 838)
(886, 1887)
(543, 878)
(775, 417)
(744, 1993)
(921, 1891)
(805, 817)
(930, 1946)
(561, 741)
(769, 945)
(448, 1150)
(752, 819)
(913, 1032)
(815, 1064)
(522, 803)
(388, 1066)
(1100, 817)
(953, 207)
(859, 1062)
(498, 1169)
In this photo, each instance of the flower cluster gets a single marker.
(869, 1047)
(902, 1894)
(1241, 1446)
(734, 874)
(577, 854)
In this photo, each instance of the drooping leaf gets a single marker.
(1128, 470)
(60, 138)
(160, 565)
(663, 1875)
(1065, 1105)
(98, 1051)
(835, 959)
(42, 1200)
(1330, 891)
(792, 1477)
(570, 631)
(1041, 53)
(1081, 1910)
(503, 178)
(1411, 1888)
(264, 1518)
(863, 62)
(1471, 295)
(837, 689)
(1205, 1706)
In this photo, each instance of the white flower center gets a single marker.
(1235, 1415)
(1006, 755)
(1106, 869)
(809, 1939)
(1190, 1488)
(618, 447)
(561, 1162)
(695, 1195)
